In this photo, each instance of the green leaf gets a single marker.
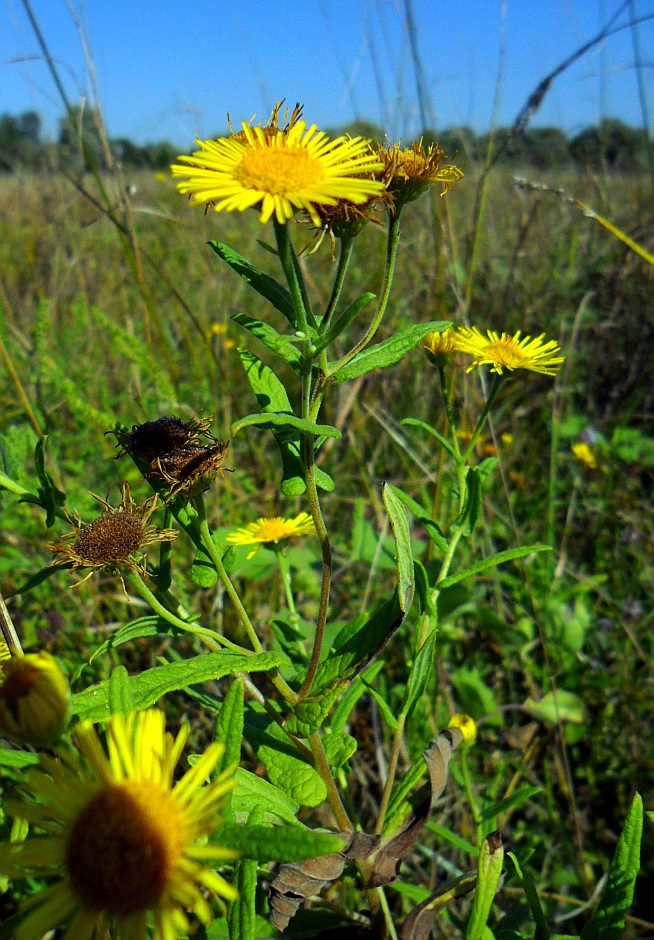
(423, 591)
(557, 706)
(420, 671)
(120, 696)
(203, 570)
(149, 686)
(542, 930)
(422, 516)
(389, 352)
(503, 806)
(229, 725)
(510, 555)
(454, 839)
(402, 535)
(310, 714)
(476, 698)
(269, 391)
(489, 870)
(383, 706)
(339, 748)
(472, 505)
(445, 444)
(346, 705)
(285, 766)
(17, 759)
(241, 914)
(152, 625)
(51, 497)
(263, 284)
(342, 322)
(279, 422)
(608, 921)
(281, 345)
(251, 791)
(37, 578)
(277, 843)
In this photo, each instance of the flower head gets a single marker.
(187, 471)
(409, 172)
(34, 699)
(120, 836)
(466, 725)
(116, 539)
(438, 347)
(270, 532)
(278, 170)
(585, 454)
(509, 352)
(154, 438)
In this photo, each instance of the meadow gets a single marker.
(116, 312)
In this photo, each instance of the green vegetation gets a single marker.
(115, 311)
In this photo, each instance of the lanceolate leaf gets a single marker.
(423, 517)
(282, 423)
(265, 285)
(420, 672)
(269, 391)
(277, 843)
(251, 791)
(510, 555)
(229, 725)
(389, 352)
(608, 921)
(542, 930)
(276, 342)
(402, 535)
(445, 444)
(488, 878)
(148, 687)
(241, 913)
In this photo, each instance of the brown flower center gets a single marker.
(111, 538)
(123, 847)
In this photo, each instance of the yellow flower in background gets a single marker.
(121, 836)
(270, 532)
(279, 170)
(34, 699)
(584, 454)
(5, 652)
(438, 347)
(466, 725)
(509, 352)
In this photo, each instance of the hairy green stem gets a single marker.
(347, 244)
(390, 777)
(321, 765)
(495, 387)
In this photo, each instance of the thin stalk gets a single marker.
(285, 575)
(13, 374)
(321, 765)
(392, 244)
(344, 255)
(212, 639)
(9, 630)
(467, 784)
(495, 387)
(390, 777)
(291, 273)
(447, 404)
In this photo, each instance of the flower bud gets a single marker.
(466, 725)
(34, 699)
(439, 346)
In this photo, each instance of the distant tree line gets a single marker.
(80, 144)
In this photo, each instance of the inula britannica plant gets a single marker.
(301, 787)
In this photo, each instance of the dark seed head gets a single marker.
(155, 438)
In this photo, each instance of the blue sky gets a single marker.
(172, 69)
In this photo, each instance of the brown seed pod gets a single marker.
(153, 439)
(187, 471)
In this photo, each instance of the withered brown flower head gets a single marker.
(276, 122)
(116, 539)
(154, 438)
(409, 172)
(187, 471)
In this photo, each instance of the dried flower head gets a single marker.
(187, 471)
(439, 347)
(126, 844)
(409, 172)
(34, 699)
(509, 352)
(154, 438)
(116, 539)
(278, 169)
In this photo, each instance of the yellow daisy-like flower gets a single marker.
(584, 454)
(438, 347)
(120, 836)
(279, 170)
(509, 352)
(409, 172)
(269, 532)
(34, 699)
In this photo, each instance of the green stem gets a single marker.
(392, 244)
(210, 637)
(321, 765)
(293, 276)
(347, 244)
(447, 404)
(467, 784)
(9, 631)
(495, 387)
(390, 777)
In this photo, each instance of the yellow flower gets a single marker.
(5, 652)
(585, 455)
(439, 346)
(120, 836)
(278, 169)
(269, 532)
(466, 725)
(33, 699)
(409, 172)
(509, 352)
